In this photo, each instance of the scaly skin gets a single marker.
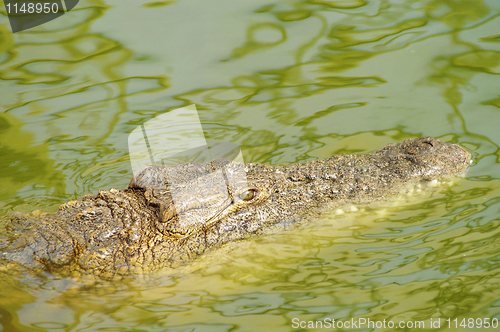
(138, 229)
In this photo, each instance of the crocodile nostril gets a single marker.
(427, 142)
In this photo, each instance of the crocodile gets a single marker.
(140, 229)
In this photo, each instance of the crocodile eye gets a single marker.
(248, 195)
(167, 212)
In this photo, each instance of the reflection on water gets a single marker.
(289, 82)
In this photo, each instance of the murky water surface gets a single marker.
(288, 81)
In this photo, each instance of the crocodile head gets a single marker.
(234, 200)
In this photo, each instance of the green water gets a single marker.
(288, 81)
